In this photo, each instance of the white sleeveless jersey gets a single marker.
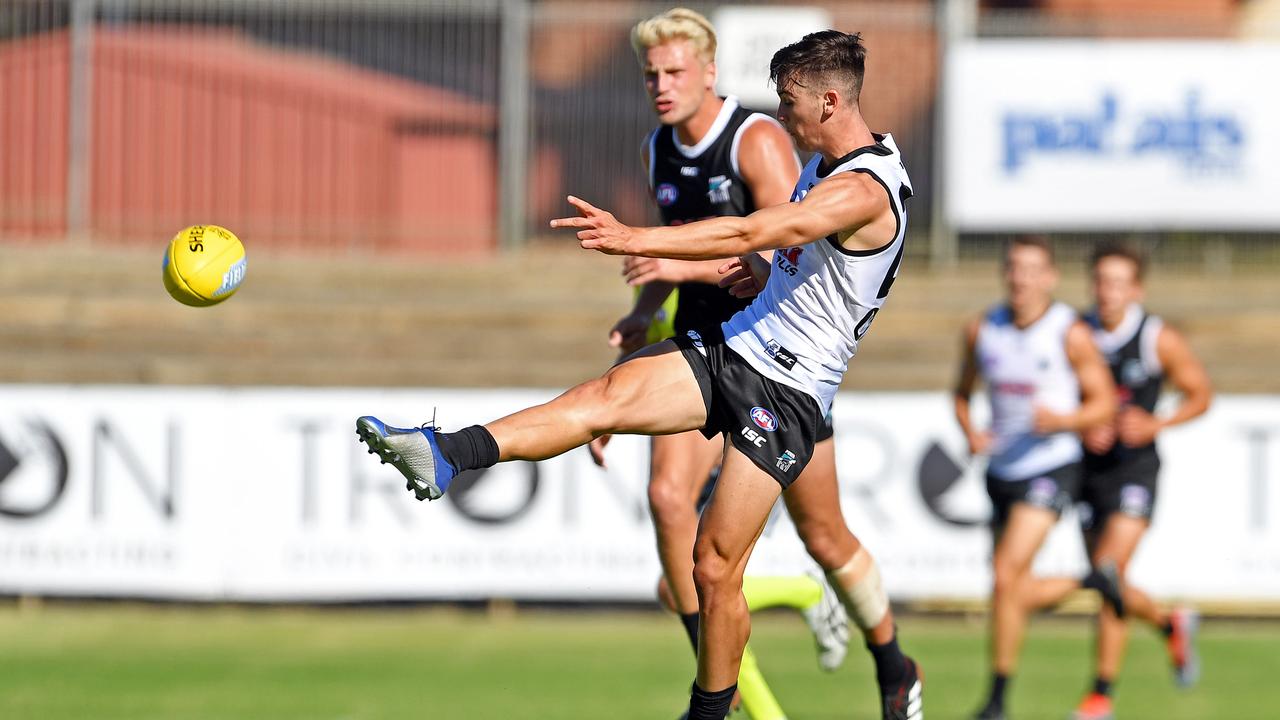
(1025, 369)
(804, 327)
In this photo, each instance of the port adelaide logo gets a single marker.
(764, 419)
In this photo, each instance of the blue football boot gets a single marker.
(413, 451)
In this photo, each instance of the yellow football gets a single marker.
(203, 265)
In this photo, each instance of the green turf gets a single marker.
(139, 662)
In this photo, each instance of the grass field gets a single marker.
(137, 662)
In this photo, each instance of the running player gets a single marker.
(711, 157)
(765, 378)
(1046, 383)
(1121, 463)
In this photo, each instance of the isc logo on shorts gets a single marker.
(764, 419)
(753, 437)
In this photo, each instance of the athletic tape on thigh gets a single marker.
(860, 589)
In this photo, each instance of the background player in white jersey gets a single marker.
(1046, 382)
(1121, 463)
(711, 157)
(765, 378)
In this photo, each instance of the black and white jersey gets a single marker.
(698, 182)
(821, 297)
(1025, 369)
(1131, 352)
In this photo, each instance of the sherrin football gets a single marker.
(203, 265)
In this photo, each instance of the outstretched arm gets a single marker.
(841, 205)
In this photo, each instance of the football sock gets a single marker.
(757, 698)
(1101, 686)
(999, 683)
(891, 664)
(799, 592)
(705, 705)
(469, 448)
(1167, 628)
(690, 622)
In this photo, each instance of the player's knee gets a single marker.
(829, 545)
(1005, 577)
(668, 500)
(713, 573)
(596, 403)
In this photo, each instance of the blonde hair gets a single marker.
(675, 24)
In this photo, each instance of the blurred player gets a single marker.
(1121, 463)
(711, 157)
(1046, 383)
(765, 378)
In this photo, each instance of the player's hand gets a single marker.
(1099, 440)
(641, 270)
(596, 448)
(745, 276)
(979, 442)
(597, 229)
(630, 333)
(1137, 427)
(1047, 422)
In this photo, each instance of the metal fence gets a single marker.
(418, 125)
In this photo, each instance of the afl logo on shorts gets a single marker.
(764, 419)
(666, 194)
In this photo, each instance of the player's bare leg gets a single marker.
(730, 526)
(813, 502)
(1016, 544)
(653, 392)
(679, 466)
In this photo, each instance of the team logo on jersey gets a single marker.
(1135, 500)
(787, 260)
(689, 171)
(718, 189)
(786, 460)
(764, 418)
(1132, 372)
(780, 355)
(666, 194)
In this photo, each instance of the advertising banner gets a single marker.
(265, 494)
(1111, 135)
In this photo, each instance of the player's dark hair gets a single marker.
(1117, 249)
(1030, 240)
(824, 55)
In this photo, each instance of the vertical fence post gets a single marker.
(513, 124)
(954, 20)
(79, 118)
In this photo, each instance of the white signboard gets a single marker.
(746, 39)
(266, 495)
(1098, 135)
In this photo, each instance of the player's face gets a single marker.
(800, 111)
(677, 80)
(1115, 287)
(1029, 276)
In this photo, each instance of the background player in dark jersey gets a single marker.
(1046, 382)
(711, 157)
(1121, 462)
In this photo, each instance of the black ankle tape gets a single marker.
(468, 449)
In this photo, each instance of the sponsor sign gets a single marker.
(748, 36)
(1098, 135)
(263, 494)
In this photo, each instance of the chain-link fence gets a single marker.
(429, 125)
